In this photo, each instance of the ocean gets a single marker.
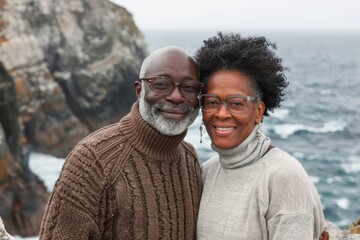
(317, 123)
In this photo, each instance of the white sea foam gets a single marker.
(280, 113)
(46, 167)
(326, 91)
(343, 203)
(286, 130)
(29, 238)
(333, 180)
(299, 155)
(314, 179)
(351, 167)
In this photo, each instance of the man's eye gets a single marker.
(189, 87)
(161, 84)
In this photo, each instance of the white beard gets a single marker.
(166, 126)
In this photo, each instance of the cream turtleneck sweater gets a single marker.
(246, 196)
(126, 181)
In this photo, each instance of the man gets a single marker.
(136, 179)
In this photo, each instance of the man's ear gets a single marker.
(137, 88)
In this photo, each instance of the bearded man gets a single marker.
(136, 179)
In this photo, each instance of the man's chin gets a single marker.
(169, 126)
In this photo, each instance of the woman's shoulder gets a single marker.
(279, 161)
(278, 156)
(213, 161)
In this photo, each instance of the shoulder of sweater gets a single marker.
(102, 134)
(104, 140)
(190, 148)
(280, 163)
(278, 157)
(208, 164)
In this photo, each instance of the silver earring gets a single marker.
(258, 133)
(201, 128)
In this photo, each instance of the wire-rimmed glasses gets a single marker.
(234, 103)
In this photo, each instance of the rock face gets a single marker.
(335, 233)
(3, 234)
(66, 69)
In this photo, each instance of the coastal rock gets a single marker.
(351, 232)
(66, 69)
(3, 234)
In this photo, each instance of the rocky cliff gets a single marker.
(66, 69)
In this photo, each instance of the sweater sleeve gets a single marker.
(74, 205)
(293, 205)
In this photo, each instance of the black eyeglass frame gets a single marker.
(151, 80)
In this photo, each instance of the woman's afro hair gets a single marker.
(252, 56)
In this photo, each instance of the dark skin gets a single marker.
(324, 236)
(176, 64)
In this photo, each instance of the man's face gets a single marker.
(170, 114)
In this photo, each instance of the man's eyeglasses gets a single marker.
(234, 103)
(161, 85)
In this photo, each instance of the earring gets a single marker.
(201, 128)
(258, 133)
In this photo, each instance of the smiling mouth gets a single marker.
(224, 128)
(173, 114)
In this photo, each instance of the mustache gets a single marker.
(170, 106)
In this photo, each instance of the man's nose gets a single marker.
(175, 95)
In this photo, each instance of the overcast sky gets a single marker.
(244, 14)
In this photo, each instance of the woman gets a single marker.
(252, 190)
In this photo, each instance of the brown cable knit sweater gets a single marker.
(126, 181)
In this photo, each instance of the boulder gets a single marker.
(67, 68)
(3, 234)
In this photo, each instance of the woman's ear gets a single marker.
(137, 88)
(260, 109)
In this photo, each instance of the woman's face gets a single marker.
(226, 129)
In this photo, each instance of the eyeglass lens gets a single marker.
(164, 86)
(235, 104)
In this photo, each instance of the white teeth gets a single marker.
(224, 129)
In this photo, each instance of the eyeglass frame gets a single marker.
(223, 102)
(150, 80)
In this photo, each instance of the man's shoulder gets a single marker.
(189, 148)
(99, 144)
(103, 136)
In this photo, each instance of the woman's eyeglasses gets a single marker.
(234, 103)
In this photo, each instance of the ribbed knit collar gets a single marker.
(247, 152)
(148, 140)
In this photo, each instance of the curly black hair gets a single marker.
(253, 57)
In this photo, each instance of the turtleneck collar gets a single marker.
(247, 152)
(147, 139)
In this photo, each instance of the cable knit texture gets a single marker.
(247, 196)
(126, 181)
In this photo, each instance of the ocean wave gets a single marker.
(351, 168)
(314, 179)
(280, 114)
(46, 167)
(286, 130)
(343, 203)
